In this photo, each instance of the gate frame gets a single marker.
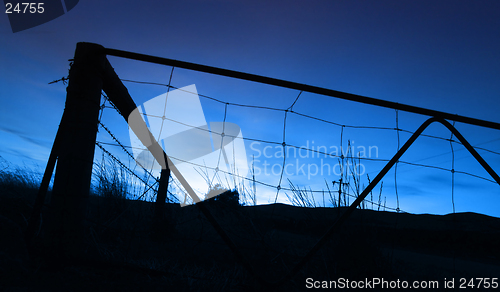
(91, 72)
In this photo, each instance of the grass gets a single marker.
(349, 185)
(111, 181)
(18, 189)
(120, 238)
(17, 182)
(119, 234)
(123, 251)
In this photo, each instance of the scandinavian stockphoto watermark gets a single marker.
(311, 160)
(199, 150)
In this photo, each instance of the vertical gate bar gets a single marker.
(161, 196)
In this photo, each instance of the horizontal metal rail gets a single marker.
(436, 116)
(302, 87)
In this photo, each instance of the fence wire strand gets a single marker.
(283, 143)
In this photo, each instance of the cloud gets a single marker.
(24, 136)
(18, 153)
(409, 190)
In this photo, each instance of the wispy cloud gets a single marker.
(24, 136)
(18, 153)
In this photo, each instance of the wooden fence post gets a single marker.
(65, 226)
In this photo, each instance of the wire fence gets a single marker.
(339, 192)
(286, 110)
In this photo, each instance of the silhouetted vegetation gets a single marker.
(123, 252)
(17, 182)
(228, 198)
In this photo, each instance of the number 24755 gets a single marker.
(24, 8)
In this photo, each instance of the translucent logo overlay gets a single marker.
(202, 152)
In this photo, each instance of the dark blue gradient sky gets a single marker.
(442, 55)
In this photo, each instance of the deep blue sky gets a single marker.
(441, 55)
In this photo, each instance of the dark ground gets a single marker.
(124, 251)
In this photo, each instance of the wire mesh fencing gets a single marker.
(273, 242)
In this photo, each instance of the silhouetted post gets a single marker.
(161, 196)
(120, 97)
(34, 220)
(76, 152)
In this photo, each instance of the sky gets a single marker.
(441, 55)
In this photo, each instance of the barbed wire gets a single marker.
(318, 152)
(326, 154)
(279, 187)
(285, 146)
(64, 79)
(283, 143)
(98, 144)
(242, 177)
(118, 143)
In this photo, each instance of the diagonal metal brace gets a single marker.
(336, 226)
